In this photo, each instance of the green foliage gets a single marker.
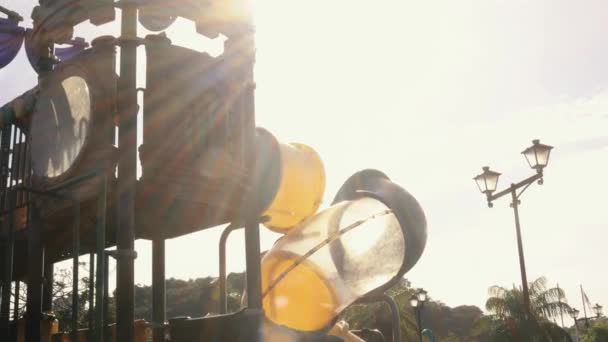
(509, 321)
(448, 324)
(598, 332)
(198, 297)
(193, 297)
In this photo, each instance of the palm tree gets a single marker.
(509, 321)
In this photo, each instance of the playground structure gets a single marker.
(68, 189)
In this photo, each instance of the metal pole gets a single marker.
(100, 245)
(33, 311)
(127, 173)
(106, 296)
(91, 293)
(576, 330)
(254, 280)
(395, 317)
(522, 263)
(222, 276)
(75, 273)
(16, 312)
(158, 290)
(245, 43)
(47, 289)
(16, 304)
(418, 323)
(8, 267)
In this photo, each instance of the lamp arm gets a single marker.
(522, 190)
(524, 183)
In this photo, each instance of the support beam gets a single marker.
(47, 290)
(9, 247)
(35, 260)
(127, 173)
(102, 275)
(223, 276)
(15, 327)
(106, 294)
(254, 279)
(158, 290)
(91, 314)
(75, 272)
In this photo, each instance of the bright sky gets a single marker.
(428, 92)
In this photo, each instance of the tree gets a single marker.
(449, 324)
(378, 316)
(598, 332)
(509, 320)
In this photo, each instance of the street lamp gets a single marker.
(417, 302)
(574, 314)
(598, 310)
(422, 297)
(537, 156)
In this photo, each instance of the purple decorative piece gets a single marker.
(32, 55)
(11, 38)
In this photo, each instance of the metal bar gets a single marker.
(8, 262)
(75, 275)
(127, 172)
(47, 288)
(5, 142)
(100, 245)
(11, 174)
(17, 162)
(14, 155)
(158, 290)
(396, 320)
(8, 268)
(252, 250)
(106, 295)
(222, 276)
(508, 190)
(33, 311)
(22, 167)
(91, 294)
(523, 189)
(418, 323)
(15, 327)
(520, 249)
(16, 302)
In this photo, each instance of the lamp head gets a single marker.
(574, 313)
(487, 180)
(414, 301)
(537, 155)
(422, 296)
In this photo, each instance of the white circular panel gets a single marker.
(59, 126)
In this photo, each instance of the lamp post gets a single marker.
(574, 314)
(537, 156)
(417, 302)
(598, 310)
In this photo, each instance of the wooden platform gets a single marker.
(164, 209)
